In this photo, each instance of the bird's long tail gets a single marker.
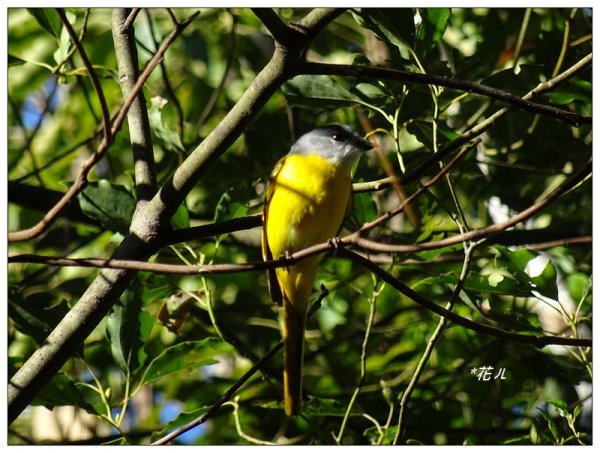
(294, 324)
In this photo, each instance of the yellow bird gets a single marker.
(307, 199)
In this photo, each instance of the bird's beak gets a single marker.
(365, 145)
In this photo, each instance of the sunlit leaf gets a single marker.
(48, 19)
(187, 355)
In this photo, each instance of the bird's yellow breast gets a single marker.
(307, 201)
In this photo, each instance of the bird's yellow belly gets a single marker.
(309, 203)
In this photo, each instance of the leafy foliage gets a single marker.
(172, 345)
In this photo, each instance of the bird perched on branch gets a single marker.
(307, 199)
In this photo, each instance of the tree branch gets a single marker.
(317, 19)
(259, 266)
(279, 30)
(351, 239)
(137, 116)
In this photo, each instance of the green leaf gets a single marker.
(155, 287)
(364, 208)
(63, 390)
(369, 92)
(123, 330)
(228, 209)
(318, 406)
(181, 218)
(496, 283)
(576, 90)
(48, 19)
(491, 283)
(188, 355)
(545, 282)
(432, 27)
(15, 61)
(388, 435)
(516, 263)
(577, 284)
(181, 419)
(316, 91)
(64, 46)
(559, 404)
(32, 319)
(112, 205)
(165, 132)
(392, 25)
(27, 321)
(449, 134)
(423, 131)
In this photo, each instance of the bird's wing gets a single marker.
(274, 287)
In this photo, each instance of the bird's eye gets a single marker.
(338, 138)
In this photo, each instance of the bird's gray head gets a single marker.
(336, 143)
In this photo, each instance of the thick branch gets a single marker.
(318, 19)
(137, 116)
(278, 29)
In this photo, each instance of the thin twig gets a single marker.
(422, 189)
(130, 19)
(363, 363)
(93, 76)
